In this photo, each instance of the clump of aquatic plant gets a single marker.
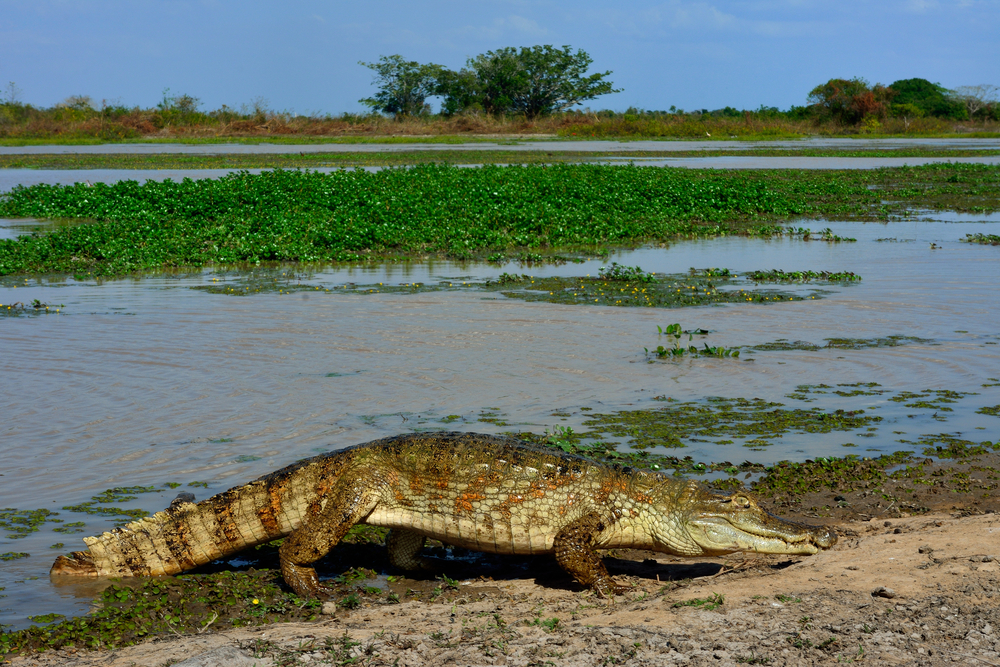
(990, 410)
(982, 239)
(634, 274)
(36, 307)
(777, 275)
(865, 343)
(675, 332)
(823, 235)
(785, 345)
(665, 291)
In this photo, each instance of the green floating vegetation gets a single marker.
(849, 473)
(755, 420)
(785, 345)
(677, 350)
(931, 399)
(119, 494)
(664, 291)
(982, 239)
(615, 286)
(36, 307)
(989, 410)
(866, 343)
(948, 446)
(822, 235)
(777, 275)
(13, 555)
(351, 216)
(46, 618)
(20, 523)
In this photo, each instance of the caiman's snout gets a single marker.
(823, 536)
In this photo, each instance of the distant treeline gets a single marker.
(518, 106)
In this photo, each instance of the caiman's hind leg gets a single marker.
(349, 503)
(404, 550)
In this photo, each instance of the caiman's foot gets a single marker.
(304, 582)
(606, 587)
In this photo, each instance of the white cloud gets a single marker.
(525, 26)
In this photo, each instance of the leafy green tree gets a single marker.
(531, 81)
(850, 101)
(404, 85)
(931, 98)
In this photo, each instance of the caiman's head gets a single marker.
(713, 524)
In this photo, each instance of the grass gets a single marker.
(179, 118)
(434, 210)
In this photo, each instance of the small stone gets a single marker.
(852, 567)
(883, 592)
(897, 531)
(887, 524)
(925, 549)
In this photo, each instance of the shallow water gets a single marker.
(513, 144)
(9, 178)
(147, 381)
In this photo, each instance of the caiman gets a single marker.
(481, 492)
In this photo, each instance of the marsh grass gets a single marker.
(115, 123)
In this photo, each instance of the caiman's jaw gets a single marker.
(736, 523)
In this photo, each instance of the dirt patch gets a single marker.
(919, 590)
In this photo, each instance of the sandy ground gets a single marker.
(921, 590)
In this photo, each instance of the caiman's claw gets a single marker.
(304, 582)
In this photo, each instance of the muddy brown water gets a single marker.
(148, 381)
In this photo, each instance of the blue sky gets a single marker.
(302, 55)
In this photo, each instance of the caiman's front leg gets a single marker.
(574, 547)
(349, 503)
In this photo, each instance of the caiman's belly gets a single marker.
(489, 531)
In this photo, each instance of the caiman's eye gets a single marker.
(741, 501)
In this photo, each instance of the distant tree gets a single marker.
(850, 100)
(404, 85)
(931, 98)
(906, 112)
(12, 93)
(78, 103)
(976, 98)
(531, 81)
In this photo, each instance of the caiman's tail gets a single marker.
(187, 534)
